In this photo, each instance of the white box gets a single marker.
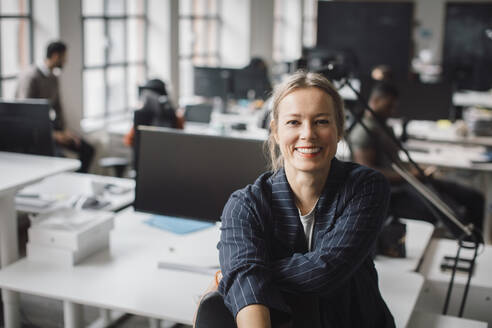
(65, 256)
(70, 229)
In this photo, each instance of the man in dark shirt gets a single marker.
(378, 151)
(42, 82)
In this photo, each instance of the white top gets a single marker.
(308, 224)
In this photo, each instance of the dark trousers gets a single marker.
(467, 203)
(84, 150)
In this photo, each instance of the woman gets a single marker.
(295, 246)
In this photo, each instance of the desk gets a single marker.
(479, 304)
(18, 171)
(460, 157)
(418, 238)
(126, 277)
(431, 131)
(64, 187)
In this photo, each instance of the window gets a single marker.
(114, 55)
(310, 21)
(285, 28)
(199, 39)
(16, 45)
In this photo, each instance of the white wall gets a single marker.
(69, 13)
(292, 31)
(46, 27)
(261, 36)
(235, 34)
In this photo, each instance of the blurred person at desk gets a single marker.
(156, 110)
(42, 82)
(295, 246)
(378, 151)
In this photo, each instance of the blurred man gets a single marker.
(377, 150)
(42, 82)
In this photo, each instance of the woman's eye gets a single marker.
(322, 122)
(293, 122)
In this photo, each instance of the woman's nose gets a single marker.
(307, 131)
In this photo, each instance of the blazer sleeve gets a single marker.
(244, 262)
(342, 249)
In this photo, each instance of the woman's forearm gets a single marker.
(254, 315)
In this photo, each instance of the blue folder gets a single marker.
(177, 225)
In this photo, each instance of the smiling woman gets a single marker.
(295, 246)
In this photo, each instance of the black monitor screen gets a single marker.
(373, 33)
(251, 84)
(422, 101)
(191, 175)
(25, 127)
(212, 81)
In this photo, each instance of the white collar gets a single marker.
(44, 69)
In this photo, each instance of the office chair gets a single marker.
(212, 313)
(157, 111)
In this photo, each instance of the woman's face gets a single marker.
(306, 130)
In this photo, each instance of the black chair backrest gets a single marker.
(212, 313)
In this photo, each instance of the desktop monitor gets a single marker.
(25, 127)
(192, 175)
(212, 81)
(425, 101)
(249, 83)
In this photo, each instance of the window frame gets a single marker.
(210, 57)
(29, 17)
(107, 64)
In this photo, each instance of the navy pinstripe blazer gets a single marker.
(265, 260)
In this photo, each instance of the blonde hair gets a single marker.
(299, 80)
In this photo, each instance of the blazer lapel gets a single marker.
(326, 209)
(287, 226)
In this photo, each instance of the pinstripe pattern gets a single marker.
(265, 260)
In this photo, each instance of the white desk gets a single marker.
(473, 98)
(460, 157)
(418, 237)
(127, 279)
(479, 304)
(64, 188)
(423, 319)
(432, 131)
(16, 172)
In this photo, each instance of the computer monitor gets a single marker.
(425, 101)
(25, 127)
(192, 175)
(249, 83)
(212, 81)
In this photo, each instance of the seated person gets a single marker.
(258, 66)
(42, 82)
(295, 246)
(156, 109)
(379, 151)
